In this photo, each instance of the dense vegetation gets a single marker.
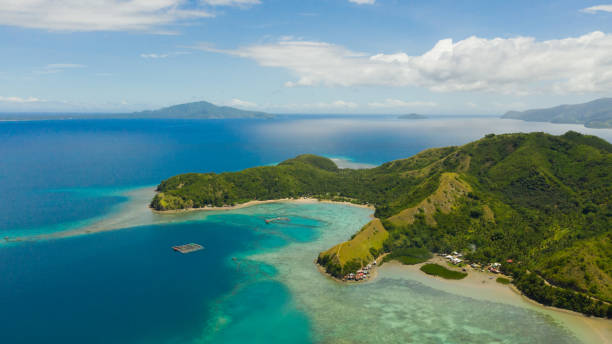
(409, 255)
(541, 200)
(439, 270)
(502, 280)
(535, 287)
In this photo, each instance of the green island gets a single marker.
(439, 270)
(538, 203)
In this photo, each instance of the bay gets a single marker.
(252, 283)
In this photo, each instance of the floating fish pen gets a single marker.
(278, 219)
(188, 248)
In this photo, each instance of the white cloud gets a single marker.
(599, 8)
(396, 103)
(517, 65)
(19, 100)
(363, 2)
(338, 104)
(64, 66)
(54, 68)
(241, 103)
(163, 55)
(240, 3)
(153, 56)
(98, 15)
(332, 106)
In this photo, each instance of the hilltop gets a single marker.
(200, 109)
(539, 200)
(594, 114)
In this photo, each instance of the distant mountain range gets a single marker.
(200, 110)
(196, 110)
(412, 116)
(594, 114)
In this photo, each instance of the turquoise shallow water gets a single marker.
(129, 286)
(253, 282)
(395, 307)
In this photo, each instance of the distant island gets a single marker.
(196, 110)
(537, 207)
(594, 114)
(412, 116)
(200, 109)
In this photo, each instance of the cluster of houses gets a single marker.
(361, 274)
(494, 268)
(455, 258)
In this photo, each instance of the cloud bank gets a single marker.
(19, 100)
(505, 65)
(235, 102)
(107, 15)
(397, 103)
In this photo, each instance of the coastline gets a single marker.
(372, 275)
(483, 285)
(137, 212)
(304, 200)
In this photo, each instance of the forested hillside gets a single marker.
(542, 201)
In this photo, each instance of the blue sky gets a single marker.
(307, 56)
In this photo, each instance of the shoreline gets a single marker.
(601, 328)
(303, 200)
(483, 285)
(137, 207)
(372, 275)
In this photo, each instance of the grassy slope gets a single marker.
(362, 248)
(538, 199)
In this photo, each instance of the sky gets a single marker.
(304, 56)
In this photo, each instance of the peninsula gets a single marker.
(594, 114)
(539, 204)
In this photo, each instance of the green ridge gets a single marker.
(542, 201)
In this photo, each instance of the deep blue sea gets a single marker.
(128, 286)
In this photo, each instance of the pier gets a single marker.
(188, 248)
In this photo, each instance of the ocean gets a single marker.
(253, 282)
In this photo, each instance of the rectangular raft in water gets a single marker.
(188, 248)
